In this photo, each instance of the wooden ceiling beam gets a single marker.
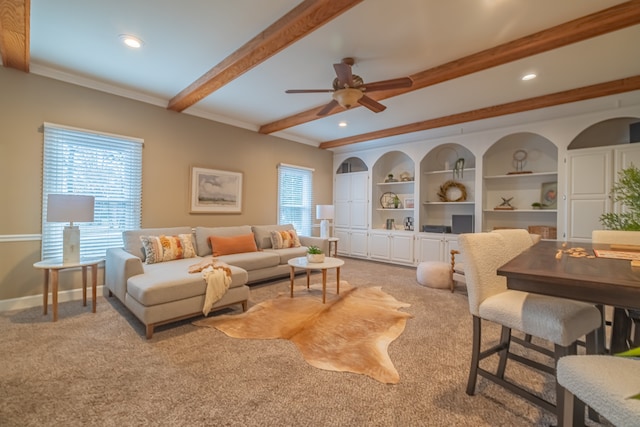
(14, 33)
(598, 23)
(573, 95)
(300, 21)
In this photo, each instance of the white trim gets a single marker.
(286, 165)
(36, 300)
(95, 132)
(6, 238)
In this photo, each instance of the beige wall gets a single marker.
(174, 142)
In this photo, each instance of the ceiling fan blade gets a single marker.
(388, 84)
(327, 108)
(371, 104)
(308, 90)
(343, 71)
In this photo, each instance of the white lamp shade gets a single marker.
(69, 208)
(324, 212)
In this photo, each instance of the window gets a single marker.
(108, 167)
(295, 197)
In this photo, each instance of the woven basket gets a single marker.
(544, 231)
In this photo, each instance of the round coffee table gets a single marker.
(328, 263)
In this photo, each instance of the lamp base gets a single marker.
(324, 229)
(71, 244)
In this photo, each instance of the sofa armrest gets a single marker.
(307, 241)
(119, 266)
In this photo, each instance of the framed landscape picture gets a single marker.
(215, 191)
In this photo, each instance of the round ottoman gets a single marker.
(434, 274)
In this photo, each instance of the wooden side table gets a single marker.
(328, 263)
(333, 241)
(51, 269)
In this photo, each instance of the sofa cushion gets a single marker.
(225, 245)
(252, 260)
(203, 233)
(262, 233)
(171, 281)
(284, 239)
(290, 253)
(167, 248)
(133, 245)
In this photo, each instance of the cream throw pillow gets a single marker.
(284, 239)
(167, 248)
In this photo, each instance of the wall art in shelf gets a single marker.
(549, 194)
(215, 191)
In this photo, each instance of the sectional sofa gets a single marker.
(160, 291)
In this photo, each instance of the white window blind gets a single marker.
(295, 197)
(108, 167)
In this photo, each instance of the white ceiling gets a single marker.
(77, 41)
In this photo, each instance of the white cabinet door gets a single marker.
(344, 246)
(380, 245)
(402, 248)
(358, 243)
(589, 183)
(350, 200)
(430, 247)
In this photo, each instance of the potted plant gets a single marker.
(396, 201)
(536, 205)
(627, 191)
(315, 254)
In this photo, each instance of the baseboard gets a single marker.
(36, 300)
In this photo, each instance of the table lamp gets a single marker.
(70, 208)
(324, 213)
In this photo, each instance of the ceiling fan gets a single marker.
(349, 89)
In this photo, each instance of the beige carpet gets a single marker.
(99, 370)
(350, 332)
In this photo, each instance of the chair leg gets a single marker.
(576, 406)
(505, 338)
(475, 356)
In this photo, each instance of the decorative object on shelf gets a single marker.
(406, 177)
(536, 205)
(387, 200)
(505, 205)
(390, 223)
(324, 213)
(314, 254)
(458, 169)
(409, 203)
(408, 223)
(545, 231)
(452, 191)
(446, 156)
(396, 202)
(519, 161)
(390, 178)
(549, 194)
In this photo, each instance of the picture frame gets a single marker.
(215, 191)
(409, 203)
(549, 195)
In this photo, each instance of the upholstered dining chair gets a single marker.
(556, 320)
(622, 237)
(457, 264)
(605, 383)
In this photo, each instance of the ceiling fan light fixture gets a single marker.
(347, 97)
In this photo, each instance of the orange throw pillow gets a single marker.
(226, 245)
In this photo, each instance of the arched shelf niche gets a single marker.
(393, 174)
(520, 169)
(352, 164)
(436, 173)
(620, 130)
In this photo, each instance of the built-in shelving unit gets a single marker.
(520, 169)
(401, 184)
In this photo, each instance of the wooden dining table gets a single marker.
(549, 268)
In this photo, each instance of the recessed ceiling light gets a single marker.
(342, 124)
(529, 76)
(131, 41)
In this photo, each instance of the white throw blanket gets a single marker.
(218, 280)
(217, 275)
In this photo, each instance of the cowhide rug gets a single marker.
(351, 332)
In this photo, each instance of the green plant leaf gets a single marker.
(634, 352)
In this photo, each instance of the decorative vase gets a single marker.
(315, 258)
